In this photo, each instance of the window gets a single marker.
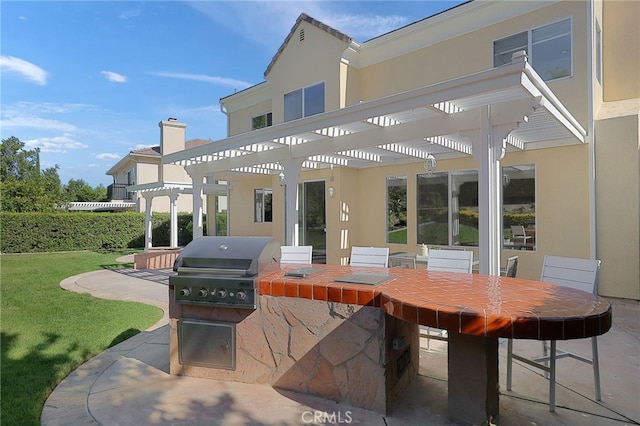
(263, 204)
(397, 209)
(448, 208)
(304, 102)
(261, 121)
(548, 47)
(519, 205)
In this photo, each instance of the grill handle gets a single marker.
(211, 271)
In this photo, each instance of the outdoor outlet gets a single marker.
(398, 343)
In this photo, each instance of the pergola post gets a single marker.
(198, 195)
(173, 218)
(292, 168)
(148, 222)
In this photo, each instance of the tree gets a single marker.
(77, 190)
(23, 186)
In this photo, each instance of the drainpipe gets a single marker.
(590, 132)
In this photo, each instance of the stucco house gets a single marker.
(142, 168)
(445, 132)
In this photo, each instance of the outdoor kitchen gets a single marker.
(224, 327)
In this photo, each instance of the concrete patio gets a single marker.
(129, 383)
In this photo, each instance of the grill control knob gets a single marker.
(222, 293)
(203, 292)
(241, 294)
(185, 292)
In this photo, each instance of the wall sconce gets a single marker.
(332, 191)
(281, 179)
(430, 163)
(506, 179)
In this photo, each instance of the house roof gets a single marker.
(152, 151)
(155, 150)
(306, 18)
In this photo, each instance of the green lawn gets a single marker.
(47, 332)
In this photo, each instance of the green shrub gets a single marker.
(54, 232)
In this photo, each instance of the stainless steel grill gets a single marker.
(222, 271)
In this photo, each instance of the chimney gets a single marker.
(172, 136)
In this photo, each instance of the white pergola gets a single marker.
(483, 115)
(162, 189)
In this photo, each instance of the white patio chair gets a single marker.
(296, 254)
(511, 268)
(519, 236)
(450, 261)
(369, 256)
(581, 274)
(460, 261)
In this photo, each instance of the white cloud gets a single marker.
(114, 77)
(23, 69)
(132, 13)
(141, 146)
(108, 156)
(55, 144)
(268, 22)
(37, 123)
(224, 81)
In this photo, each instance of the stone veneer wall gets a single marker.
(339, 352)
(156, 258)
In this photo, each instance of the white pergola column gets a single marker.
(148, 222)
(198, 196)
(292, 167)
(173, 218)
(489, 148)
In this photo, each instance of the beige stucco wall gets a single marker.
(241, 214)
(618, 211)
(300, 65)
(621, 50)
(473, 52)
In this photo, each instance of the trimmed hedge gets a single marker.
(49, 232)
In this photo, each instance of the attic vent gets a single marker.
(301, 34)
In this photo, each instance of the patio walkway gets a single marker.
(129, 383)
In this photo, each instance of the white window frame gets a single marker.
(260, 205)
(530, 47)
(301, 110)
(268, 120)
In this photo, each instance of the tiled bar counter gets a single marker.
(358, 343)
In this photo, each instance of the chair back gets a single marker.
(450, 261)
(512, 267)
(369, 256)
(518, 231)
(581, 274)
(296, 254)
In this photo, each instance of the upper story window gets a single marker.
(548, 48)
(261, 121)
(304, 102)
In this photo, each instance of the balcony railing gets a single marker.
(118, 191)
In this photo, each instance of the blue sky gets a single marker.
(87, 82)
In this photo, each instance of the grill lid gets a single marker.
(237, 256)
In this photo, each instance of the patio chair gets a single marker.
(581, 274)
(511, 269)
(450, 261)
(460, 261)
(369, 256)
(519, 236)
(402, 262)
(296, 254)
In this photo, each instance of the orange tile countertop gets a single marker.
(474, 304)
